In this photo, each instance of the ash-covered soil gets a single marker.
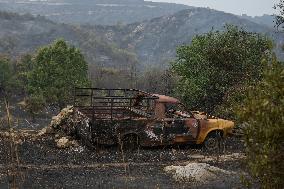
(42, 165)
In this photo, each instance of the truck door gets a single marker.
(193, 126)
(175, 126)
(181, 130)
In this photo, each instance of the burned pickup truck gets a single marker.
(133, 118)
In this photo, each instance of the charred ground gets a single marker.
(42, 165)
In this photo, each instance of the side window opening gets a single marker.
(176, 110)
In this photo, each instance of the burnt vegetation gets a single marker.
(231, 72)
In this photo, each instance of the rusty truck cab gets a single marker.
(173, 124)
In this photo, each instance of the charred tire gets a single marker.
(130, 142)
(214, 142)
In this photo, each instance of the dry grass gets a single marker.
(13, 170)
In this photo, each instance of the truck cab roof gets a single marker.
(166, 99)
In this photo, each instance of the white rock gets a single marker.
(197, 172)
(6, 134)
(78, 149)
(63, 143)
(41, 132)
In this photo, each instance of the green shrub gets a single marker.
(263, 114)
(218, 62)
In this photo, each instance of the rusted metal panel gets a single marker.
(194, 127)
(166, 99)
(160, 110)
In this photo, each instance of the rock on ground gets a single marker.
(199, 173)
(65, 142)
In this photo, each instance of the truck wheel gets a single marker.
(214, 142)
(130, 142)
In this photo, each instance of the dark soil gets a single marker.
(43, 165)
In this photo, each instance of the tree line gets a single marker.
(48, 77)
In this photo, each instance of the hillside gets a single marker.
(264, 19)
(21, 34)
(155, 41)
(96, 12)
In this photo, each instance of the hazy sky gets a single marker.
(249, 7)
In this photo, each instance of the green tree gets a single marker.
(23, 67)
(7, 79)
(263, 114)
(57, 69)
(217, 62)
